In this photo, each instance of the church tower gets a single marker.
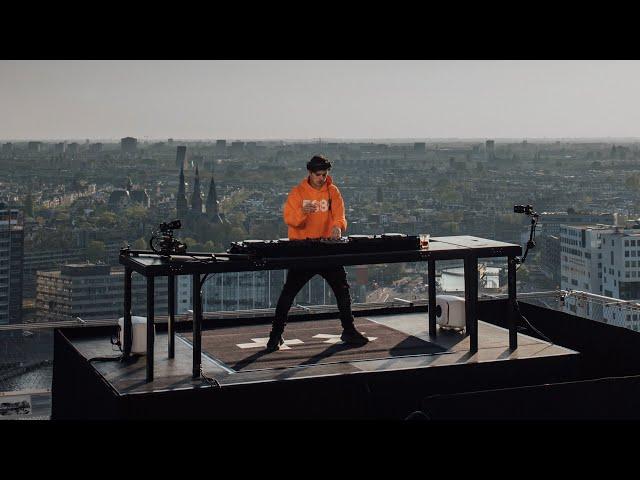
(212, 203)
(196, 196)
(181, 198)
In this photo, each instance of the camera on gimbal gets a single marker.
(526, 209)
(162, 241)
(168, 227)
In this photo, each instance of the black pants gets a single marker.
(297, 278)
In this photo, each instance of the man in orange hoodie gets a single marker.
(315, 209)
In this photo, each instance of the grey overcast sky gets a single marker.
(296, 99)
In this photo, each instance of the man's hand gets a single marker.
(310, 207)
(336, 233)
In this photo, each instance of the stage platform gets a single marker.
(314, 376)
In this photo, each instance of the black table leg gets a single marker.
(172, 312)
(431, 279)
(511, 314)
(127, 328)
(197, 325)
(150, 328)
(471, 300)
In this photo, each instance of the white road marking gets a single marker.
(262, 343)
(335, 338)
(330, 338)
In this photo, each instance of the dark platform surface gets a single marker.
(308, 343)
(175, 374)
(354, 386)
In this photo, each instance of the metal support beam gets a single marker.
(150, 327)
(431, 279)
(172, 315)
(471, 300)
(127, 328)
(197, 325)
(511, 313)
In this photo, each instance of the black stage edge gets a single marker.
(607, 387)
(79, 391)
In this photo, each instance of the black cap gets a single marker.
(318, 162)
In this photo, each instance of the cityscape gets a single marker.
(68, 208)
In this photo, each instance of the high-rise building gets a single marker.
(11, 260)
(549, 235)
(581, 257)
(128, 145)
(93, 291)
(34, 146)
(419, 147)
(221, 146)
(621, 263)
(234, 291)
(490, 151)
(602, 260)
(236, 148)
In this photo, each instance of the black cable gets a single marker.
(106, 359)
(531, 326)
(206, 277)
(210, 380)
(115, 340)
(531, 243)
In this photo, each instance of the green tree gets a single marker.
(632, 182)
(106, 220)
(135, 214)
(140, 244)
(209, 246)
(96, 250)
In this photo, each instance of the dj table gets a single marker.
(152, 265)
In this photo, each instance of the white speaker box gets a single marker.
(450, 312)
(138, 334)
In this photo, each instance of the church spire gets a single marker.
(196, 196)
(212, 203)
(181, 198)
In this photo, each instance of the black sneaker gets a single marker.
(274, 343)
(353, 337)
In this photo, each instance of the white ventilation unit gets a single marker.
(138, 334)
(450, 312)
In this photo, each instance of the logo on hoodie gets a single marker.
(322, 204)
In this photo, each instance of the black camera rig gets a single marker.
(528, 210)
(162, 241)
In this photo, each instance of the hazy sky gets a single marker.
(297, 99)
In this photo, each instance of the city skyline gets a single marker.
(333, 100)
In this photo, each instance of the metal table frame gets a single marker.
(152, 265)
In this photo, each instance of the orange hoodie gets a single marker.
(317, 224)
